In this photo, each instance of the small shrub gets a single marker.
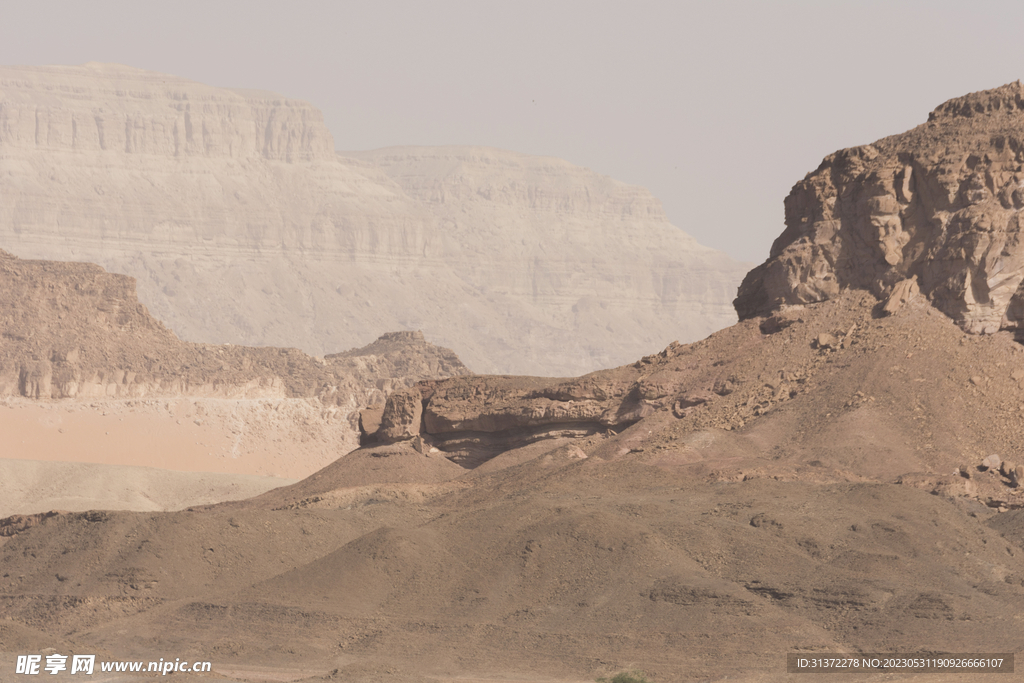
(626, 677)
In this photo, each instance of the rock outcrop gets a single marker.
(934, 210)
(242, 225)
(471, 419)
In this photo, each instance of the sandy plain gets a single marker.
(265, 437)
(34, 486)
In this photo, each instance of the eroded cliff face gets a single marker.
(934, 210)
(242, 225)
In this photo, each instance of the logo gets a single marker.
(32, 665)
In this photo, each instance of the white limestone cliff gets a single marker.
(241, 224)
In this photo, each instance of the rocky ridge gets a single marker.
(823, 371)
(935, 211)
(74, 331)
(104, 108)
(242, 225)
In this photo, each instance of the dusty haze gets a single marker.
(715, 108)
(243, 225)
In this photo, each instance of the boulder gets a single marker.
(369, 420)
(992, 463)
(826, 341)
(902, 293)
(780, 321)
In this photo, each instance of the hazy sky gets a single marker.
(718, 107)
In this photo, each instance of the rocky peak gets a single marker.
(938, 206)
(407, 336)
(1006, 99)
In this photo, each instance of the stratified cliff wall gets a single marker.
(935, 210)
(242, 225)
(108, 108)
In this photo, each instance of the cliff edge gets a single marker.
(935, 211)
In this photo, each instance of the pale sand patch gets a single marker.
(289, 438)
(28, 487)
(268, 673)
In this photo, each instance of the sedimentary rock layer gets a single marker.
(472, 419)
(74, 332)
(243, 225)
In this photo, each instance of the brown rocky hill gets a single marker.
(837, 393)
(242, 225)
(832, 477)
(810, 483)
(76, 341)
